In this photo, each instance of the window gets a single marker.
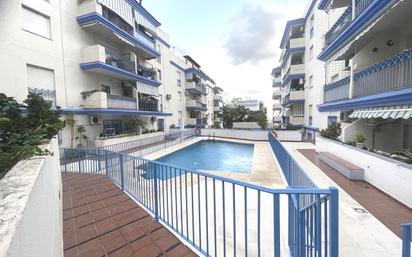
(311, 81)
(36, 23)
(332, 120)
(179, 78)
(112, 127)
(179, 94)
(310, 114)
(311, 52)
(38, 77)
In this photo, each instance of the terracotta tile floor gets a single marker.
(386, 209)
(100, 220)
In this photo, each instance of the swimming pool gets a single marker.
(213, 155)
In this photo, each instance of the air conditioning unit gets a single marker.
(95, 120)
(168, 96)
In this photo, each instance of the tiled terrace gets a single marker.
(99, 220)
(385, 208)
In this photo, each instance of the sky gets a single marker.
(236, 42)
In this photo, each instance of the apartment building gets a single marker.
(368, 69)
(251, 104)
(298, 81)
(106, 62)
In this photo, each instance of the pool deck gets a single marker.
(265, 170)
(361, 234)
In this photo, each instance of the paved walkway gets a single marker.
(100, 220)
(360, 234)
(386, 209)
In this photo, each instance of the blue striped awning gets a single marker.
(391, 112)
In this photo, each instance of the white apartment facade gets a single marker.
(298, 80)
(251, 104)
(368, 69)
(106, 62)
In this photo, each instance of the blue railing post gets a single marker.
(156, 193)
(98, 159)
(121, 170)
(79, 158)
(406, 240)
(65, 159)
(106, 163)
(334, 222)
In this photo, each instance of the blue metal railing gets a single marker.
(341, 24)
(392, 73)
(216, 215)
(338, 90)
(292, 171)
(150, 144)
(406, 240)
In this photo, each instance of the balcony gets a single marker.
(196, 106)
(297, 42)
(390, 74)
(98, 19)
(385, 82)
(276, 94)
(294, 97)
(121, 102)
(194, 122)
(218, 98)
(218, 109)
(276, 107)
(336, 91)
(196, 88)
(351, 23)
(103, 61)
(297, 120)
(148, 106)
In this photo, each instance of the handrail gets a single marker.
(202, 208)
(343, 22)
(406, 239)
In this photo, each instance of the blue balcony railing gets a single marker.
(341, 24)
(338, 90)
(361, 5)
(406, 240)
(390, 74)
(219, 216)
(121, 102)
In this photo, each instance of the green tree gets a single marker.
(259, 117)
(234, 114)
(21, 135)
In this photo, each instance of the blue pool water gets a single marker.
(213, 155)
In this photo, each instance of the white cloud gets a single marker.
(243, 70)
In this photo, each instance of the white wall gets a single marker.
(238, 134)
(31, 208)
(390, 176)
(289, 135)
(246, 125)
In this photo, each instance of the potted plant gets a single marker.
(360, 139)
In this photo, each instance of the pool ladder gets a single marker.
(209, 139)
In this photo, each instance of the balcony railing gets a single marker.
(219, 216)
(148, 106)
(390, 74)
(47, 94)
(121, 102)
(361, 5)
(341, 24)
(338, 90)
(196, 87)
(196, 105)
(123, 62)
(406, 240)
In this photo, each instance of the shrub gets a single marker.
(21, 135)
(360, 138)
(332, 132)
(216, 125)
